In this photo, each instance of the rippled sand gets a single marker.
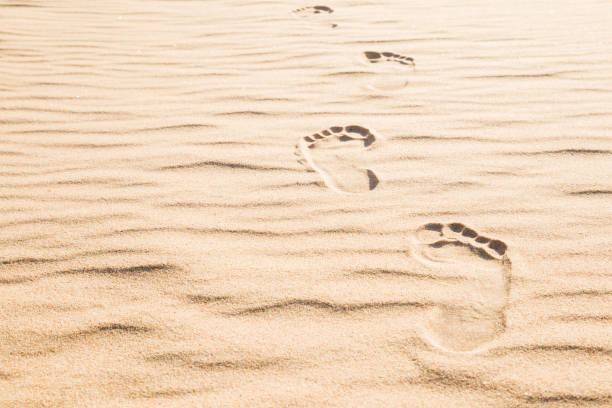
(162, 245)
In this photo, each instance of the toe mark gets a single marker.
(456, 227)
(360, 130)
(498, 246)
(470, 233)
(434, 226)
(323, 8)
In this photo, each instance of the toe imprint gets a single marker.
(328, 152)
(470, 313)
(437, 234)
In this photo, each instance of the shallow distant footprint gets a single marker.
(314, 11)
(307, 11)
(391, 69)
(476, 272)
(336, 154)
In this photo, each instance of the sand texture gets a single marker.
(248, 203)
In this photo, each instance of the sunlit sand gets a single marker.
(443, 242)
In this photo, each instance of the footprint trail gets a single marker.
(336, 155)
(472, 310)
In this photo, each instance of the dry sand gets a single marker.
(161, 244)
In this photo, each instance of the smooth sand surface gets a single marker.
(163, 246)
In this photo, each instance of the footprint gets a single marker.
(374, 57)
(334, 153)
(312, 11)
(308, 11)
(390, 70)
(471, 312)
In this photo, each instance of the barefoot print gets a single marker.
(389, 69)
(374, 57)
(314, 13)
(334, 154)
(472, 312)
(308, 11)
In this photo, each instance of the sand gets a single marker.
(161, 245)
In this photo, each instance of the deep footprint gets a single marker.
(472, 312)
(390, 71)
(333, 152)
(374, 57)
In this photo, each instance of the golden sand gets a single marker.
(161, 245)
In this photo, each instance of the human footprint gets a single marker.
(471, 310)
(390, 71)
(336, 155)
(314, 13)
(308, 11)
(374, 57)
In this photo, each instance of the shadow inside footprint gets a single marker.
(335, 154)
(390, 69)
(471, 313)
